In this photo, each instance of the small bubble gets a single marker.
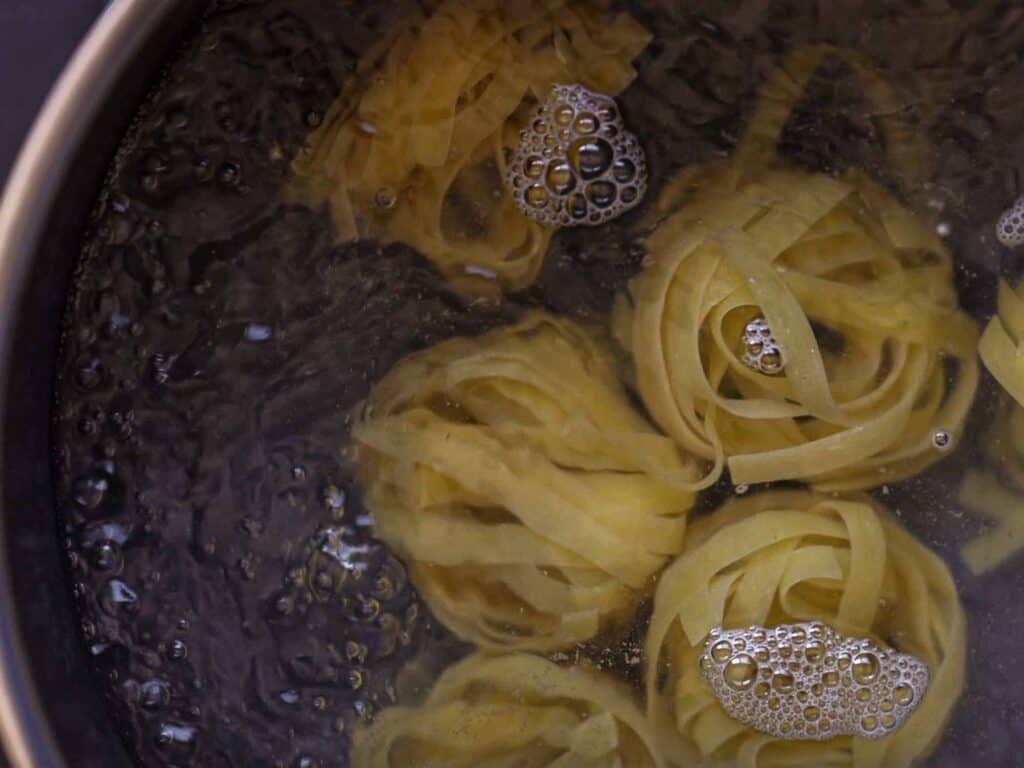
(903, 694)
(721, 650)
(740, 672)
(385, 198)
(942, 439)
(782, 683)
(177, 650)
(536, 196)
(865, 668)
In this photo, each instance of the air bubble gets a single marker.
(601, 193)
(740, 672)
(534, 167)
(865, 668)
(560, 178)
(782, 683)
(942, 439)
(536, 196)
(903, 694)
(721, 651)
(581, 150)
(790, 675)
(564, 114)
(1010, 228)
(762, 353)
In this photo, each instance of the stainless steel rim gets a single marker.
(73, 104)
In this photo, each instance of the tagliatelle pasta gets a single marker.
(531, 500)
(793, 556)
(856, 290)
(417, 153)
(1002, 345)
(517, 710)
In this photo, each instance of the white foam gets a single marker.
(1010, 229)
(806, 681)
(576, 164)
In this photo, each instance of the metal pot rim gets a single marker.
(40, 172)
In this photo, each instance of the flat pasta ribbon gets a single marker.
(785, 557)
(858, 292)
(1002, 344)
(531, 500)
(429, 127)
(515, 711)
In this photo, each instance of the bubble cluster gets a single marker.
(761, 352)
(576, 164)
(1010, 229)
(806, 681)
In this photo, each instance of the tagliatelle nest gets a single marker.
(533, 504)
(858, 295)
(783, 558)
(416, 152)
(516, 710)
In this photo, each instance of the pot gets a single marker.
(51, 711)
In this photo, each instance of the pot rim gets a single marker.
(38, 175)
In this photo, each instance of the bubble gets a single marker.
(721, 651)
(177, 650)
(942, 439)
(601, 193)
(740, 672)
(586, 123)
(865, 668)
(534, 167)
(815, 651)
(536, 196)
(590, 157)
(577, 206)
(564, 114)
(385, 198)
(560, 178)
(762, 353)
(586, 147)
(89, 490)
(790, 674)
(783, 683)
(1010, 227)
(903, 694)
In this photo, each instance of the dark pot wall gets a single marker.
(36, 269)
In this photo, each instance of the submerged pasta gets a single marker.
(856, 291)
(430, 131)
(794, 556)
(1002, 345)
(516, 710)
(531, 500)
(997, 493)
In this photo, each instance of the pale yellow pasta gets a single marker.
(1002, 345)
(996, 494)
(531, 500)
(857, 290)
(515, 711)
(416, 152)
(791, 556)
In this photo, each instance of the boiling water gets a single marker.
(238, 608)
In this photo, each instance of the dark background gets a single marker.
(37, 37)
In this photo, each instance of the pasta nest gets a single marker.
(856, 291)
(415, 151)
(516, 710)
(532, 501)
(784, 557)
